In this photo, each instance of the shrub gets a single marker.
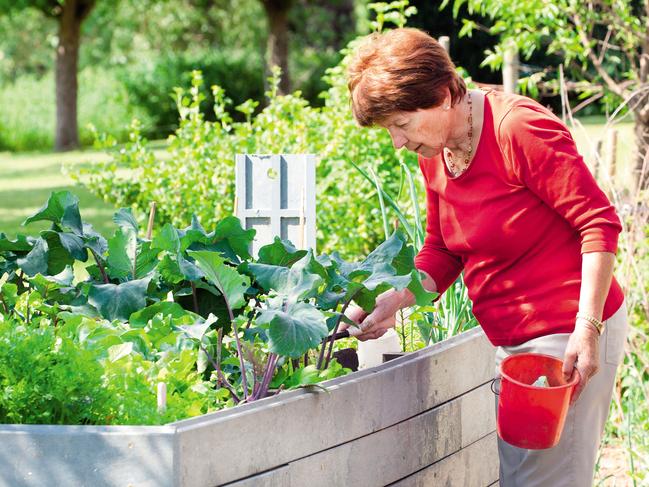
(150, 86)
(196, 175)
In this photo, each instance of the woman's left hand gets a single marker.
(581, 357)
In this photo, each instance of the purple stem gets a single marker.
(101, 267)
(331, 342)
(194, 297)
(268, 375)
(220, 374)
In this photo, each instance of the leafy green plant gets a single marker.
(191, 308)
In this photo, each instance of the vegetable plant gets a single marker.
(189, 307)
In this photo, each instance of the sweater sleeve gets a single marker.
(434, 258)
(544, 157)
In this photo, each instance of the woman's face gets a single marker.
(424, 131)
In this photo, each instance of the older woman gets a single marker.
(511, 203)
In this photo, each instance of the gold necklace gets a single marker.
(448, 155)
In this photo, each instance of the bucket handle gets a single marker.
(493, 386)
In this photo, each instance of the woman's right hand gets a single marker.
(382, 317)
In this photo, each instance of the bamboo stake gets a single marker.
(162, 397)
(149, 229)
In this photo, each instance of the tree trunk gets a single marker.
(72, 14)
(277, 46)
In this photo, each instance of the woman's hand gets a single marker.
(582, 356)
(376, 323)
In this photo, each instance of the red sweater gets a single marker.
(517, 220)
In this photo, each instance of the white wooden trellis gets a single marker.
(275, 195)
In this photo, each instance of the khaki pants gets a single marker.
(572, 461)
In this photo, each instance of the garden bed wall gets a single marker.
(422, 419)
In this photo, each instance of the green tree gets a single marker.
(69, 15)
(604, 43)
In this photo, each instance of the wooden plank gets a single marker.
(478, 415)
(475, 465)
(39, 455)
(278, 477)
(385, 456)
(296, 424)
(392, 453)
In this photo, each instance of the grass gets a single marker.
(26, 181)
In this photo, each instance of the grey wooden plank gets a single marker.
(395, 452)
(473, 466)
(86, 456)
(297, 424)
(478, 415)
(278, 477)
(384, 456)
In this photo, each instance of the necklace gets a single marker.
(448, 155)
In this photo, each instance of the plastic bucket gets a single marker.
(532, 417)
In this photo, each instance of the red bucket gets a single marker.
(532, 417)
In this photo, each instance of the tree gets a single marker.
(606, 43)
(277, 46)
(69, 14)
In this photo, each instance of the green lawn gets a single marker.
(26, 181)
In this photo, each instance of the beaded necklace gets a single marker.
(448, 155)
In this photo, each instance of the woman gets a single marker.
(511, 203)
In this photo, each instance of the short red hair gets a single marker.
(400, 70)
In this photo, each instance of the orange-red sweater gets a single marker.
(517, 220)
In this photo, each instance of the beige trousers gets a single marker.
(572, 461)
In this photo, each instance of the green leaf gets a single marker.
(94, 240)
(165, 308)
(122, 252)
(232, 239)
(198, 329)
(21, 244)
(227, 280)
(147, 259)
(294, 284)
(193, 234)
(62, 280)
(58, 257)
(280, 252)
(293, 332)
(61, 208)
(422, 297)
(117, 352)
(119, 301)
(168, 239)
(125, 220)
(35, 262)
(303, 377)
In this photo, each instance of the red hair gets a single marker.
(401, 70)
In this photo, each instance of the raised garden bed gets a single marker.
(426, 418)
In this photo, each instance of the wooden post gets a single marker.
(149, 228)
(611, 158)
(445, 42)
(162, 397)
(510, 70)
(597, 158)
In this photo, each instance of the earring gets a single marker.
(446, 107)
